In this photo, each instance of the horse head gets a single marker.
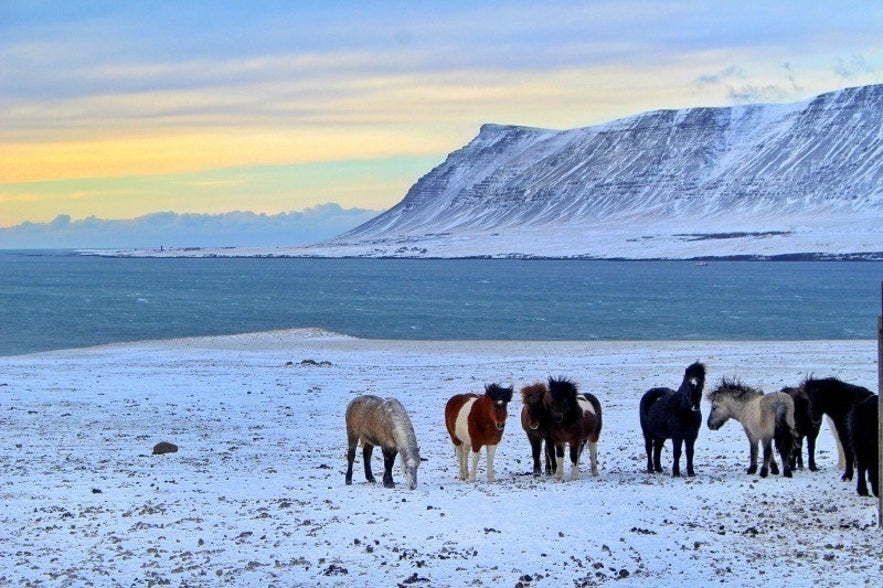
(534, 412)
(726, 401)
(810, 388)
(500, 397)
(692, 385)
(562, 400)
(409, 467)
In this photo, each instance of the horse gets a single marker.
(666, 414)
(863, 437)
(763, 416)
(384, 423)
(535, 421)
(802, 423)
(474, 422)
(575, 421)
(834, 398)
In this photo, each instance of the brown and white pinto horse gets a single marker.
(475, 421)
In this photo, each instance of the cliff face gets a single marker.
(822, 157)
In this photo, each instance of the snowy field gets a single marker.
(256, 497)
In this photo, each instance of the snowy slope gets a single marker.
(812, 171)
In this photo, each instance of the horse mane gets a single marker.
(533, 393)
(499, 393)
(402, 429)
(561, 386)
(734, 389)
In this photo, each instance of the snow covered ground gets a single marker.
(683, 238)
(256, 497)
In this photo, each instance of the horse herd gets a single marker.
(556, 416)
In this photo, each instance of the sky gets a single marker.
(119, 110)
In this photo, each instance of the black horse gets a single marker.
(666, 414)
(863, 431)
(802, 422)
(830, 396)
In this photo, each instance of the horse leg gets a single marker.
(550, 456)
(767, 456)
(846, 455)
(350, 458)
(811, 446)
(676, 443)
(648, 447)
(535, 448)
(491, 450)
(787, 461)
(389, 458)
(476, 454)
(367, 449)
(574, 461)
(861, 473)
(593, 457)
(752, 456)
(774, 467)
(559, 461)
(690, 443)
(657, 454)
(462, 461)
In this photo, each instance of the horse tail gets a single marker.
(785, 430)
(597, 406)
(648, 400)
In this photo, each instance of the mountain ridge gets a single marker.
(801, 161)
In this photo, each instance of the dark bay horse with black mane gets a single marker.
(666, 414)
(535, 420)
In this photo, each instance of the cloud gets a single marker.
(720, 77)
(852, 67)
(170, 229)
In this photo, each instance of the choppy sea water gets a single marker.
(56, 299)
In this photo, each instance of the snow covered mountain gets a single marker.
(755, 181)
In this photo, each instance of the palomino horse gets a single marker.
(666, 414)
(384, 423)
(575, 421)
(474, 422)
(535, 421)
(830, 396)
(763, 416)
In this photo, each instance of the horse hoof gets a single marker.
(349, 482)
(764, 473)
(389, 485)
(788, 474)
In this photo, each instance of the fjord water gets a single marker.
(55, 300)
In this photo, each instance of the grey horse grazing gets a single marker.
(763, 416)
(375, 421)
